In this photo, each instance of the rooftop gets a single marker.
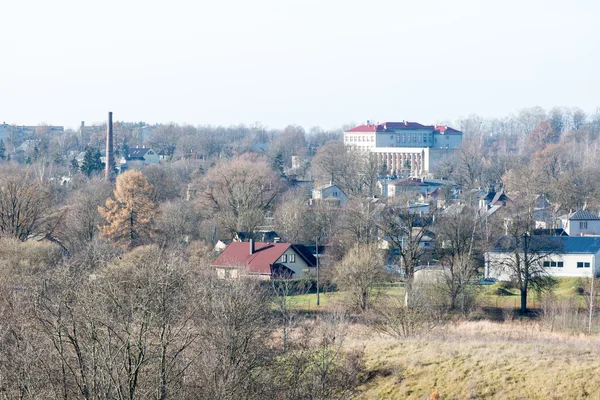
(552, 244)
(392, 126)
(237, 254)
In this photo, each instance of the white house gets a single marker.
(331, 194)
(581, 222)
(560, 256)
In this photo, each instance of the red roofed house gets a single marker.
(264, 261)
(400, 144)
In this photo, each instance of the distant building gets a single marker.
(403, 147)
(17, 133)
(580, 223)
(330, 194)
(565, 256)
(143, 154)
(264, 261)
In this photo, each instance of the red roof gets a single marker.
(366, 128)
(237, 254)
(382, 127)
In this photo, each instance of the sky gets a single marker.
(280, 62)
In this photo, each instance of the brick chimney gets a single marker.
(110, 158)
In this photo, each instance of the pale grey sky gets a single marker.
(305, 62)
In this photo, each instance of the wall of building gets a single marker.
(495, 269)
(447, 140)
(299, 266)
(575, 228)
(405, 138)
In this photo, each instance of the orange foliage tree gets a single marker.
(130, 214)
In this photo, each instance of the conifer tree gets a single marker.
(91, 162)
(130, 213)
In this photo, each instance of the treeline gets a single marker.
(153, 324)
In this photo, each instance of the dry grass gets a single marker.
(482, 360)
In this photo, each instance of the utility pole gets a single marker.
(591, 300)
(317, 254)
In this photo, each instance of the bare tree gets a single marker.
(357, 274)
(523, 254)
(458, 249)
(404, 229)
(25, 206)
(240, 192)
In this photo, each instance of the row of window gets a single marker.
(360, 138)
(553, 264)
(410, 138)
(291, 258)
(560, 264)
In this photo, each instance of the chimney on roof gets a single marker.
(405, 123)
(251, 246)
(368, 123)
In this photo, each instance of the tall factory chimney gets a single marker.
(110, 158)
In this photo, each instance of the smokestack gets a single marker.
(110, 159)
(251, 246)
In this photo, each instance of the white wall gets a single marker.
(574, 228)
(494, 268)
(299, 266)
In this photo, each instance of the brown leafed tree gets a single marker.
(240, 191)
(130, 213)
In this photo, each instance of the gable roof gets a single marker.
(237, 254)
(583, 215)
(139, 152)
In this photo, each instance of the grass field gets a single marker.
(540, 358)
(489, 297)
(483, 360)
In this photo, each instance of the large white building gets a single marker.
(559, 256)
(404, 146)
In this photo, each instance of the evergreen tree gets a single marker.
(2, 150)
(124, 150)
(278, 164)
(91, 162)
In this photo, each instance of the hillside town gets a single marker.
(299, 200)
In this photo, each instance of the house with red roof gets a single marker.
(265, 261)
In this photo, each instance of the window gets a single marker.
(392, 137)
(554, 264)
(292, 258)
(284, 258)
(425, 139)
(583, 265)
(447, 137)
(583, 225)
